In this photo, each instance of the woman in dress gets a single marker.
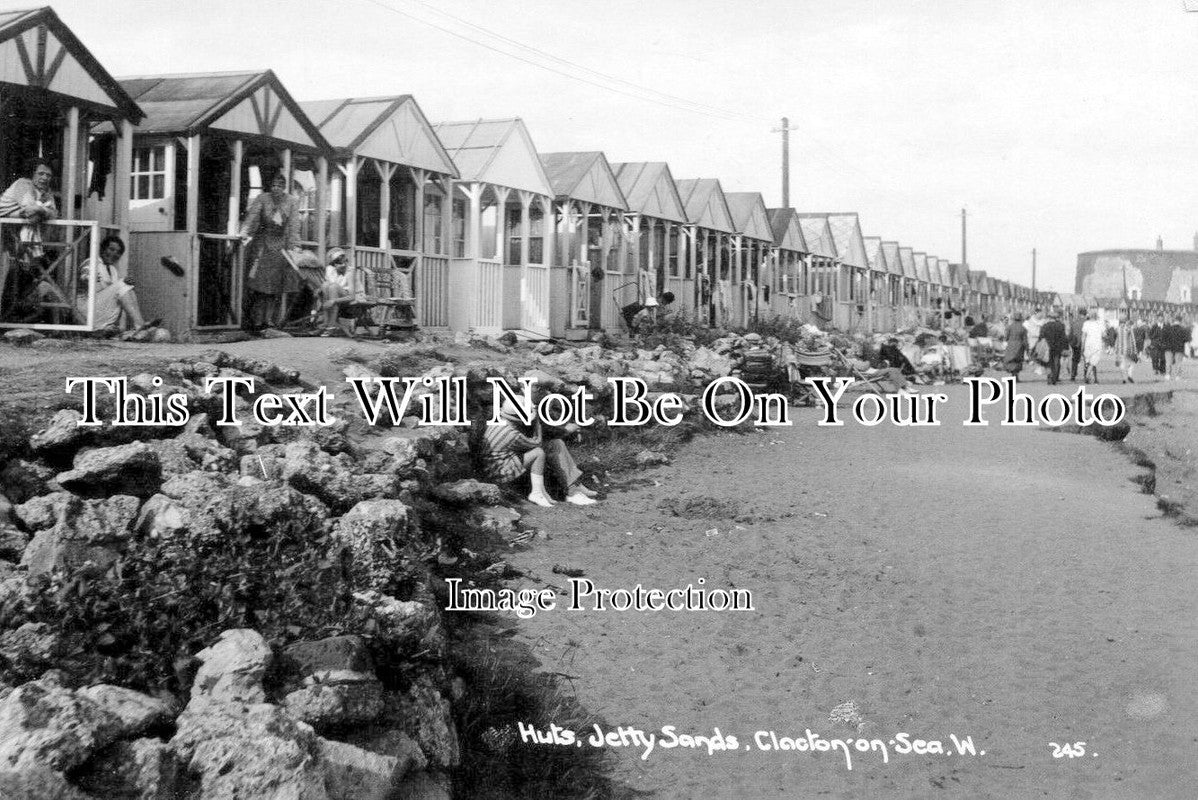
(271, 226)
(1012, 359)
(1092, 345)
(113, 295)
(1126, 349)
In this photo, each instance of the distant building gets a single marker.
(1153, 275)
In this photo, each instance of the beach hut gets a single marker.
(924, 286)
(56, 101)
(878, 285)
(789, 298)
(502, 237)
(709, 231)
(855, 301)
(823, 269)
(653, 236)
(910, 296)
(751, 244)
(209, 144)
(894, 291)
(589, 209)
(388, 197)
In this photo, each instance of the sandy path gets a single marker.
(1008, 584)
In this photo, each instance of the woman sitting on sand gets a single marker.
(510, 449)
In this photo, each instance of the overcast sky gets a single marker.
(1066, 126)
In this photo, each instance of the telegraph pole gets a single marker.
(964, 259)
(785, 131)
(1033, 269)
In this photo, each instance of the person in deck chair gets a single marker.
(510, 449)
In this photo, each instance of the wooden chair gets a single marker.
(389, 291)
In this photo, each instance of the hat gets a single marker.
(512, 411)
(335, 254)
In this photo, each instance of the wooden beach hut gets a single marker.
(209, 144)
(910, 298)
(389, 198)
(709, 234)
(855, 301)
(589, 209)
(924, 291)
(877, 285)
(55, 102)
(789, 298)
(894, 284)
(502, 238)
(751, 243)
(653, 224)
(823, 269)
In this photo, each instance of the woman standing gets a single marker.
(1127, 350)
(1016, 346)
(271, 226)
(1092, 344)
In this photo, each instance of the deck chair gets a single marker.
(880, 382)
(388, 293)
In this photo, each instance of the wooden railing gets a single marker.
(39, 280)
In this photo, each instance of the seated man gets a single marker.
(511, 449)
(893, 356)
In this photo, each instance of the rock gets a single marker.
(425, 716)
(189, 452)
(651, 458)
(37, 783)
(47, 725)
(233, 751)
(262, 467)
(24, 480)
(44, 511)
(12, 541)
(469, 492)
(161, 517)
(312, 471)
(85, 530)
(269, 508)
(62, 434)
(335, 705)
(161, 336)
(711, 362)
(376, 535)
(142, 769)
(30, 648)
(137, 712)
(195, 489)
(388, 741)
(355, 774)
(127, 469)
(22, 337)
(328, 660)
(499, 521)
(358, 371)
(402, 625)
(403, 455)
(232, 669)
(508, 339)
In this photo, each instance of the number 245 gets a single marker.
(1068, 750)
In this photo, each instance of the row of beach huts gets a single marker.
(482, 230)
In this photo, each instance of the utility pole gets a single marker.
(964, 259)
(1033, 269)
(785, 131)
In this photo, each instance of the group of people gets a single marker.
(1048, 338)
(29, 288)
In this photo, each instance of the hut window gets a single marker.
(460, 212)
(489, 231)
(536, 233)
(403, 211)
(148, 177)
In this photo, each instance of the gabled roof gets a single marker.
(495, 151)
(818, 235)
(705, 203)
(788, 233)
(921, 267)
(957, 275)
(846, 231)
(875, 254)
(584, 176)
(253, 103)
(934, 270)
(38, 51)
(907, 260)
(894, 261)
(940, 274)
(749, 216)
(649, 189)
(977, 280)
(391, 129)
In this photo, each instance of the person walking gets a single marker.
(1016, 346)
(1075, 343)
(1127, 349)
(1093, 332)
(1156, 346)
(1053, 334)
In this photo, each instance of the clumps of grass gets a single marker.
(404, 362)
(503, 693)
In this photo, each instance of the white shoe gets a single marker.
(541, 499)
(580, 499)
